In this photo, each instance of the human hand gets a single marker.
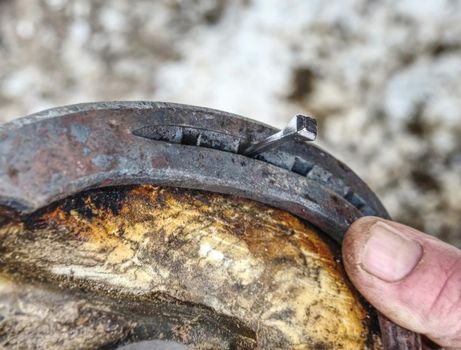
(412, 278)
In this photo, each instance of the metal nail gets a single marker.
(299, 128)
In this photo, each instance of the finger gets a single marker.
(412, 278)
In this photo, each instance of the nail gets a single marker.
(389, 255)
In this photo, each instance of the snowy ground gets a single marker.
(383, 78)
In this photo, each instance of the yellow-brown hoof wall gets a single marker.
(120, 265)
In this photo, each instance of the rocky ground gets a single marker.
(383, 78)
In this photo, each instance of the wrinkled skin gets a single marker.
(121, 265)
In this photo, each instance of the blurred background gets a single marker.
(383, 78)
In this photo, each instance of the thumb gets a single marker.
(412, 278)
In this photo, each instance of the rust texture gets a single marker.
(120, 265)
(56, 153)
